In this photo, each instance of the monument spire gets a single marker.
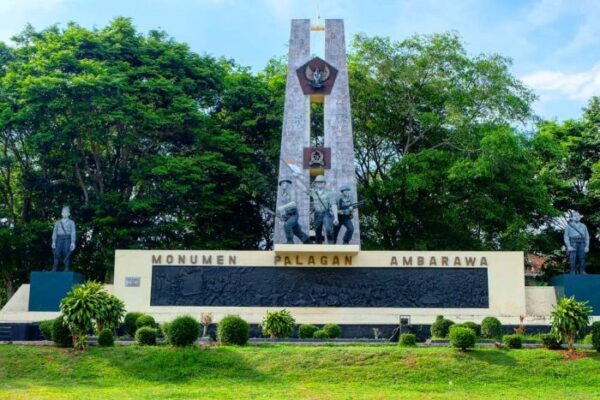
(317, 81)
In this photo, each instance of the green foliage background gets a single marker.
(154, 146)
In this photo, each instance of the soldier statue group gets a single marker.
(331, 212)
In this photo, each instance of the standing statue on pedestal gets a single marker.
(288, 213)
(346, 207)
(577, 240)
(63, 239)
(326, 211)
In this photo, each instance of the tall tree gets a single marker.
(127, 129)
(438, 158)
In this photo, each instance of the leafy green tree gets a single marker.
(152, 145)
(439, 159)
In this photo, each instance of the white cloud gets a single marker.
(575, 86)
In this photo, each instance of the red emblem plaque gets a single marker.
(317, 157)
(317, 77)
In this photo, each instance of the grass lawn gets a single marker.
(295, 372)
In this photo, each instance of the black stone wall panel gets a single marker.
(406, 287)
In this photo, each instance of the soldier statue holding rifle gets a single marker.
(288, 213)
(346, 206)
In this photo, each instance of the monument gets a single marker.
(311, 80)
(317, 283)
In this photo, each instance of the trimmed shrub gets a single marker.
(145, 320)
(512, 341)
(162, 330)
(441, 327)
(332, 331)
(105, 338)
(474, 326)
(130, 322)
(46, 329)
(233, 330)
(550, 341)
(320, 334)
(183, 331)
(306, 331)
(596, 335)
(491, 328)
(462, 337)
(278, 324)
(145, 336)
(61, 335)
(407, 339)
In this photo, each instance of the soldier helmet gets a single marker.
(344, 188)
(285, 180)
(320, 178)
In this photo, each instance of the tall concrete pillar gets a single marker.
(296, 122)
(338, 122)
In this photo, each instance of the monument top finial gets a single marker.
(318, 27)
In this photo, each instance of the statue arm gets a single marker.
(54, 233)
(587, 238)
(566, 239)
(73, 234)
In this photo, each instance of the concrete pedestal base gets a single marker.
(49, 288)
(583, 287)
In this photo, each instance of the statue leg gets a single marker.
(288, 226)
(319, 227)
(572, 256)
(56, 257)
(349, 230)
(68, 256)
(300, 233)
(328, 222)
(581, 256)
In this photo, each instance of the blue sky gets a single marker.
(554, 44)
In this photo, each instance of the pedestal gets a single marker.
(49, 288)
(583, 287)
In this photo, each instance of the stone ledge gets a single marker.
(345, 249)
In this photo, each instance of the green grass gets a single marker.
(294, 372)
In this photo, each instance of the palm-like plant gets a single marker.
(569, 319)
(87, 306)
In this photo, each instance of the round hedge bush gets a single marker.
(550, 341)
(441, 327)
(145, 320)
(46, 329)
(596, 335)
(320, 334)
(145, 336)
(233, 330)
(407, 339)
(462, 337)
(491, 327)
(332, 331)
(105, 338)
(183, 331)
(512, 341)
(130, 321)
(61, 335)
(306, 331)
(278, 324)
(474, 326)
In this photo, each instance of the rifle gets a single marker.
(357, 204)
(270, 212)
